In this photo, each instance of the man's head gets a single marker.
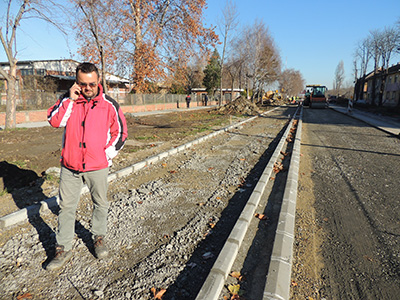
(87, 77)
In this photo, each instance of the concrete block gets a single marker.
(111, 177)
(254, 198)
(286, 223)
(172, 151)
(152, 159)
(226, 258)
(278, 280)
(138, 166)
(124, 172)
(212, 287)
(239, 231)
(248, 212)
(180, 148)
(283, 248)
(163, 155)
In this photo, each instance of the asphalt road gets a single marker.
(356, 175)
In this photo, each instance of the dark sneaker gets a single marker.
(59, 259)
(100, 247)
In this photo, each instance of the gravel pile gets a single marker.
(162, 227)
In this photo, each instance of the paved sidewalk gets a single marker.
(384, 123)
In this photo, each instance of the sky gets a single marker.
(313, 36)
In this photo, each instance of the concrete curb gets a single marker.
(280, 268)
(52, 203)
(215, 281)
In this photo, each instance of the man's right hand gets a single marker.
(74, 92)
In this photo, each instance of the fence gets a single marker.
(30, 100)
(33, 107)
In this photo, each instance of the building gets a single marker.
(227, 93)
(371, 85)
(55, 76)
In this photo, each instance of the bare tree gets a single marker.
(339, 76)
(375, 49)
(291, 82)
(234, 68)
(362, 57)
(44, 10)
(262, 60)
(100, 26)
(229, 23)
(383, 44)
(389, 42)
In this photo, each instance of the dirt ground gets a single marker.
(26, 154)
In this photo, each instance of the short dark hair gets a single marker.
(87, 67)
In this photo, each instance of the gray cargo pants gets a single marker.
(70, 190)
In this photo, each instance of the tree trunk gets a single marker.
(11, 104)
(103, 73)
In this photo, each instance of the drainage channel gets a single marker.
(234, 264)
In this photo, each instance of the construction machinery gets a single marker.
(315, 96)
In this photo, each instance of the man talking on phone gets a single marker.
(95, 130)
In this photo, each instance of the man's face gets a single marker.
(89, 83)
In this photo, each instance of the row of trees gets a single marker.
(376, 50)
(156, 42)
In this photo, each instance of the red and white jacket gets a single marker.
(94, 131)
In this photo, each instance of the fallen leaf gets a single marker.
(212, 225)
(172, 171)
(159, 294)
(236, 275)
(294, 283)
(210, 168)
(139, 202)
(24, 296)
(234, 289)
(272, 178)
(164, 165)
(261, 216)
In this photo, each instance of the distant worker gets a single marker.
(205, 99)
(188, 100)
